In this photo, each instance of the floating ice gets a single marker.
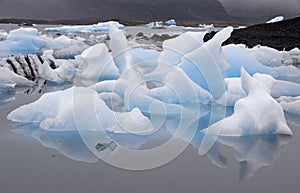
(22, 41)
(3, 35)
(97, 64)
(155, 24)
(267, 56)
(208, 28)
(26, 41)
(65, 47)
(290, 104)
(276, 19)
(100, 27)
(258, 113)
(9, 77)
(208, 59)
(238, 56)
(55, 112)
(235, 92)
(171, 22)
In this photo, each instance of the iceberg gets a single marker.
(9, 77)
(290, 104)
(155, 24)
(171, 22)
(3, 35)
(205, 65)
(238, 56)
(66, 48)
(267, 56)
(276, 19)
(97, 64)
(235, 92)
(101, 27)
(252, 115)
(57, 112)
(24, 41)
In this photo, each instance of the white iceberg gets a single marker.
(258, 113)
(267, 56)
(3, 35)
(205, 65)
(24, 41)
(276, 19)
(155, 24)
(65, 48)
(235, 92)
(9, 77)
(238, 56)
(100, 27)
(290, 104)
(171, 22)
(97, 64)
(59, 111)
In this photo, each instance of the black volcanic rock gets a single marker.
(284, 35)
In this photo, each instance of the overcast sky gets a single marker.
(262, 7)
(70, 9)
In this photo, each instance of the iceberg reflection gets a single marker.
(71, 145)
(254, 151)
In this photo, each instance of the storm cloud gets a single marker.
(150, 9)
(262, 8)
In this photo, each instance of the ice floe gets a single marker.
(99, 27)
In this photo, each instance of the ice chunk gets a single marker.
(97, 64)
(234, 91)
(174, 49)
(206, 64)
(3, 35)
(171, 22)
(121, 52)
(169, 95)
(100, 27)
(65, 47)
(237, 56)
(146, 59)
(290, 104)
(9, 77)
(57, 112)
(155, 24)
(276, 19)
(267, 56)
(22, 41)
(253, 114)
(26, 41)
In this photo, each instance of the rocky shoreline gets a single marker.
(284, 35)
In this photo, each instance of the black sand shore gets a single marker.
(284, 35)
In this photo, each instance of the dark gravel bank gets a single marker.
(284, 35)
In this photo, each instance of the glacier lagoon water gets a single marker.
(43, 161)
(59, 161)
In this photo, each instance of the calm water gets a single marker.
(30, 165)
(33, 160)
